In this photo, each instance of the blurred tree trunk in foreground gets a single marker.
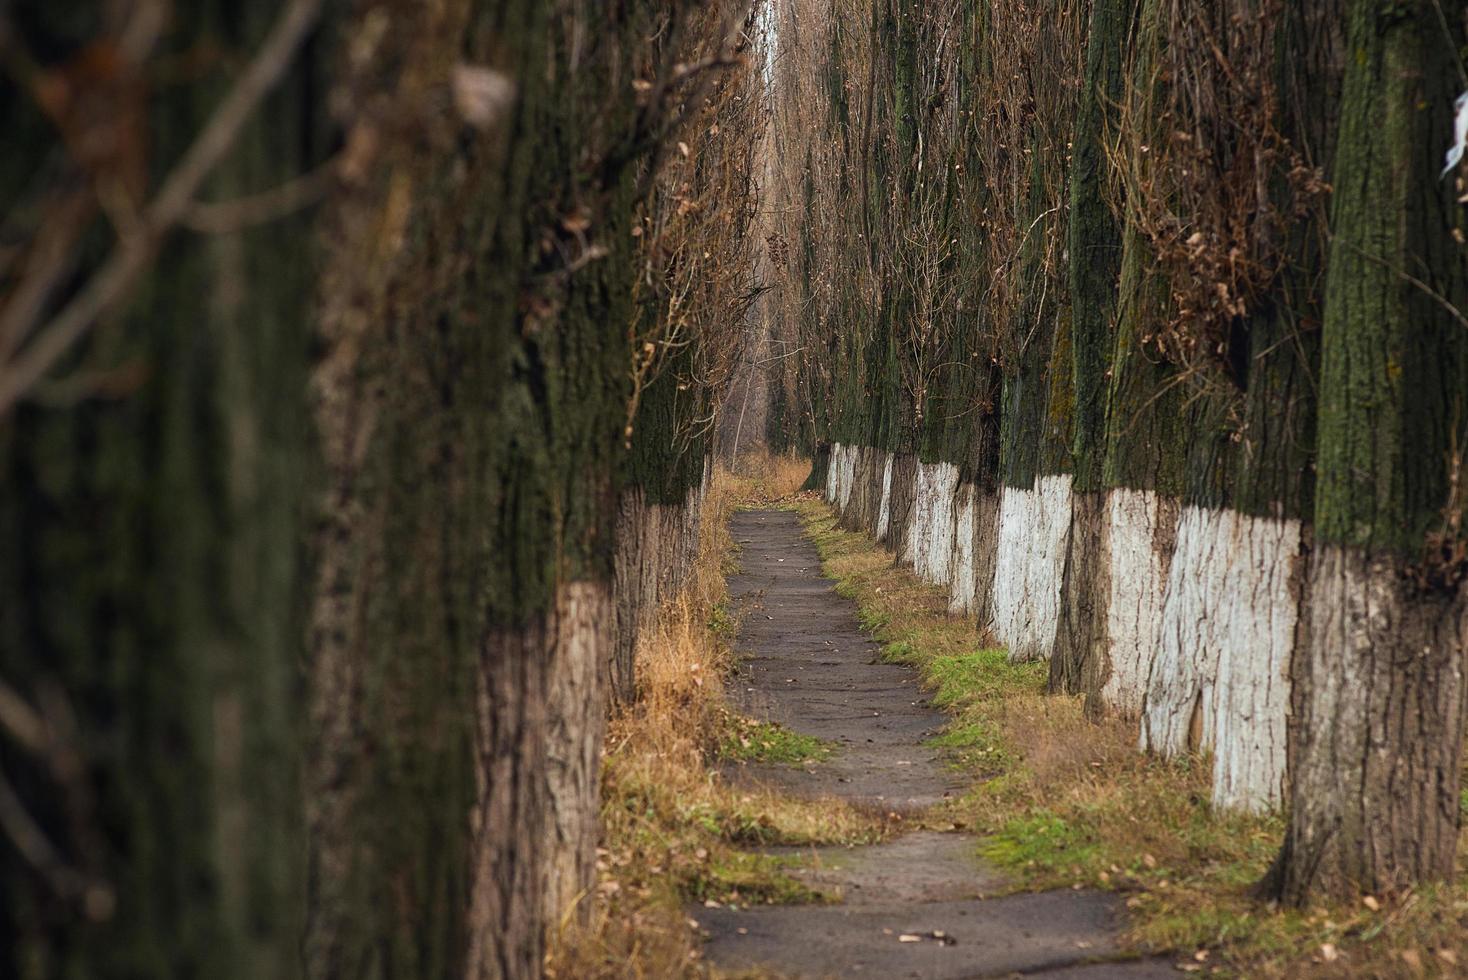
(151, 508)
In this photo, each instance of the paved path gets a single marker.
(805, 663)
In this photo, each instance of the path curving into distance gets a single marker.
(804, 662)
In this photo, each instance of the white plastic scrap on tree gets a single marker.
(1460, 134)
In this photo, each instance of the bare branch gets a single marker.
(22, 721)
(133, 254)
(228, 216)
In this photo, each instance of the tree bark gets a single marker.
(1079, 662)
(1378, 744)
(1379, 686)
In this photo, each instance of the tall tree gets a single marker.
(1377, 738)
(1094, 243)
(306, 614)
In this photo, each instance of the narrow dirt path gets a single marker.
(805, 663)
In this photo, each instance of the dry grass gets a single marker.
(1059, 800)
(761, 477)
(1063, 801)
(671, 825)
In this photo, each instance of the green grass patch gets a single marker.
(721, 624)
(966, 679)
(762, 741)
(1045, 842)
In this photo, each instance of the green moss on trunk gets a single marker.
(1392, 387)
(1094, 234)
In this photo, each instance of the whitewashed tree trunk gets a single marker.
(1034, 528)
(1220, 680)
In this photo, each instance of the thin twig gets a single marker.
(22, 721)
(132, 255)
(224, 217)
(1436, 297)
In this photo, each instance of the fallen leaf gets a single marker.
(1371, 903)
(1329, 953)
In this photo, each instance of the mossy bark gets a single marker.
(472, 401)
(1377, 742)
(1094, 234)
(1145, 433)
(1094, 246)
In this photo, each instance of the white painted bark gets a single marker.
(961, 588)
(848, 474)
(1200, 635)
(930, 544)
(833, 474)
(1138, 575)
(1033, 529)
(576, 711)
(884, 509)
(1378, 745)
(841, 475)
(1220, 679)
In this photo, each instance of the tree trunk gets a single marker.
(1079, 662)
(819, 467)
(151, 508)
(1379, 684)
(471, 403)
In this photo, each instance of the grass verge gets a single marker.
(1063, 801)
